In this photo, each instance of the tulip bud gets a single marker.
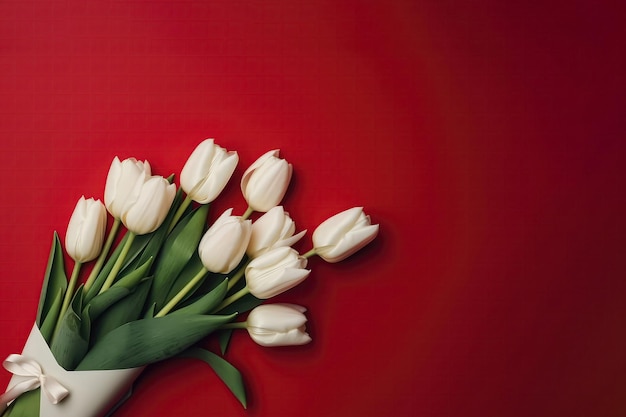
(265, 182)
(86, 230)
(278, 325)
(343, 234)
(275, 272)
(222, 247)
(147, 211)
(123, 183)
(207, 171)
(272, 230)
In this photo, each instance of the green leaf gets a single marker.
(138, 244)
(146, 341)
(26, 405)
(103, 301)
(85, 324)
(71, 341)
(133, 278)
(150, 312)
(187, 274)
(224, 339)
(177, 250)
(245, 303)
(54, 281)
(127, 309)
(119, 290)
(50, 322)
(207, 302)
(137, 248)
(227, 372)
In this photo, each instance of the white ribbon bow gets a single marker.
(22, 366)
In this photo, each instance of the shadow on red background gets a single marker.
(485, 138)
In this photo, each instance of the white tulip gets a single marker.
(265, 182)
(123, 183)
(275, 272)
(343, 234)
(147, 210)
(222, 247)
(86, 230)
(207, 171)
(272, 230)
(278, 325)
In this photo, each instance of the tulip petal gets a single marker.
(85, 230)
(343, 234)
(278, 317)
(264, 230)
(332, 229)
(278, 325)
(126, 183)
(110, 188)
(292, 240)
(290, 278)
(248, 172)
(272, 258)
(351, 243)
(268, 284)
(196, 168)
(150, 208)
(207, 171)
(223, 245)
(265, 182)
(216, 179)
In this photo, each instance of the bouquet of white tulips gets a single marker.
(169, 282)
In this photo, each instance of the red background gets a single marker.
(486, 138)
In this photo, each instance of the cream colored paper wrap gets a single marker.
(91, 393)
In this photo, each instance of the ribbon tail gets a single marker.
(54, 390)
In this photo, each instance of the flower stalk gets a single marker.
(103, 255)
(68, 295)
(182, 293)
(229, 300)
(235, 325)
(238, 275)
(247, 213)
(118, 263)
(179, 213)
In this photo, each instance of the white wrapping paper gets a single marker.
(91, 393)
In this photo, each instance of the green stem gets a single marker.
(182, 293)
(237, 325)
(228, 301)
(238, 275)
(68, 296)
(310, 253)
(118, 263)
(179, 213)
(105, 251)
(248, 212)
